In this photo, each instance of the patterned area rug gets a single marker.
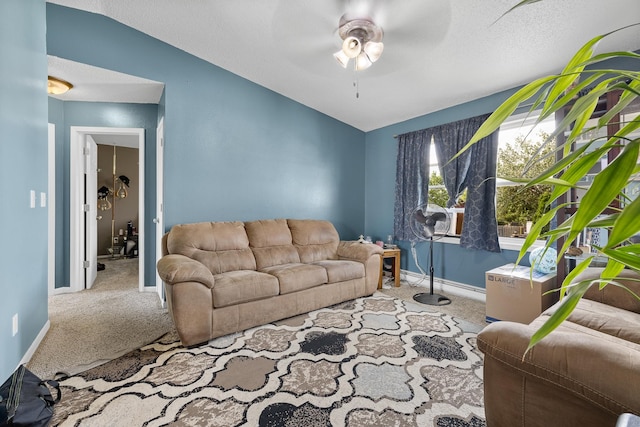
(374, 361)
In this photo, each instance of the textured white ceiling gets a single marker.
(96, 84)
(438, 53)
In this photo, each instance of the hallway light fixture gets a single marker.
(362, 42)
(56, 86)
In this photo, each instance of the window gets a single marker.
(516, 209)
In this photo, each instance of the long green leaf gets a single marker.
(563, 310)
(612, 269)
(569, 95)
(625, 99)
(560, 165)
(536, 229)
(578, 269)
(606, 186)
(630, 249)
(627, 224)
(629, 259)
(578, 170)
(575, 65)
(505, 110)
(582, 107)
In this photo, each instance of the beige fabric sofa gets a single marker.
(585, 373)
(223, 277)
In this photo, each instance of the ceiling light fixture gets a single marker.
(57, 86)
(362, 41)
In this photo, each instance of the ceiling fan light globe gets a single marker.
(363, 62)
(351, 47)
(342, 58)
(374, 50)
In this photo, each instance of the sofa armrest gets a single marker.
(574, 362)
(613, 295)
(176, 268)
(356, 251)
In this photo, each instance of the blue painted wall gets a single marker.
(233, 150)
(451, 262)
(100, 114)
(56, 117)
(23, 167)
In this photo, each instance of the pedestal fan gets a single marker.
(430, 222)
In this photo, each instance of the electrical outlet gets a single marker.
(115, 240)
(15, 324)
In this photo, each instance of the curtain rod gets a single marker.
(527, 105)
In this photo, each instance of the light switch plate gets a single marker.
(43, 200)
(14, 326)
(33, 199)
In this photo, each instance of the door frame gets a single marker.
(77, 136)
(51, 213)
(159, 219)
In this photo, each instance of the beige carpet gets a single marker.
(468, 309)
(94, 326)
(91, 327)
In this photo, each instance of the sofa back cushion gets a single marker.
(220, 246)
(315, 240)
(271, 243)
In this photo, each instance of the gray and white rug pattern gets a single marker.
(374, 361)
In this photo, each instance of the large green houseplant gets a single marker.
(576, 91)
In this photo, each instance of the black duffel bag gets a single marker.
(25, 399)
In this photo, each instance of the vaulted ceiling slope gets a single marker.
(437, 53)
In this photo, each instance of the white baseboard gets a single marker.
(35, 344)
(443, 285)
(61, 290)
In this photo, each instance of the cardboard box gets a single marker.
(513, 296)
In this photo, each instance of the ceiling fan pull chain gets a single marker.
(355, 80)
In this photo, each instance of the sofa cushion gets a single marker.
(296, 277)
(236, 287)
(315, 240)
(604, 318)
(220, 246)
(271, 243)
(339, 271)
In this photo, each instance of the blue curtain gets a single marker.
(474, 170)
(412, 180)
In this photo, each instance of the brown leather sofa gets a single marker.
(585, 373)
(223, 277)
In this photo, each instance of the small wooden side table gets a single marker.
(395, 267)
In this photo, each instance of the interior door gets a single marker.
(159, 219)
(91, 212)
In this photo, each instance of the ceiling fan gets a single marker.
(362, 42)
(408, 29)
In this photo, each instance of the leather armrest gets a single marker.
(179, 268)
(602, 369)
(356, 251)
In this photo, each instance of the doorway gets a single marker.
(84, 199)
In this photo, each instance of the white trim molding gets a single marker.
(77, 136)
(35, 344)
(444, 285)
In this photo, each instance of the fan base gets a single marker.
(432, 299)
